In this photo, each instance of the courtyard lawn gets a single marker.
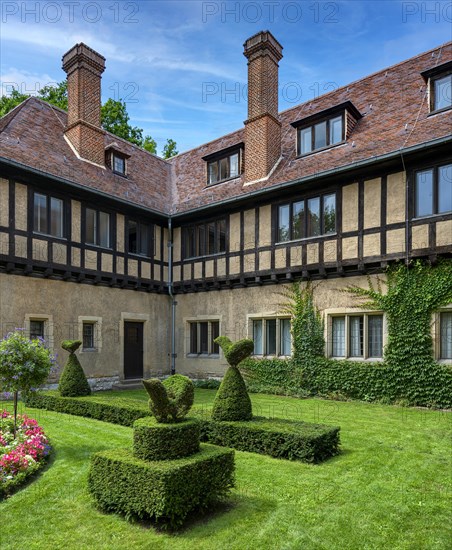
(390, 487)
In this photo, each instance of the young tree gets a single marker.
(114, 116)
(7, 103)
(24, 364)
(55, 95)
(170, 149)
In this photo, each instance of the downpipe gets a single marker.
(171, 295)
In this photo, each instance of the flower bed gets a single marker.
(23, 456)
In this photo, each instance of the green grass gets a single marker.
(390, 488)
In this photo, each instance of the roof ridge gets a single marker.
(6, 119)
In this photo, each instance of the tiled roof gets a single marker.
(393, 103)
(33, 135)
(389, 100)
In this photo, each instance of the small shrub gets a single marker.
(73, 382)
(155, 441)
(165, 491)
(232, 401)
(24, 363)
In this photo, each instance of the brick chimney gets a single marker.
(84, 68)
(262, 129)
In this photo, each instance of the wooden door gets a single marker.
(133, 350)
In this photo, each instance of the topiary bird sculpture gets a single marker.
(171, 399)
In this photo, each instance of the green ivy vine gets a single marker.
(409, 296)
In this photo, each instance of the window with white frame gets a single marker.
(357, 335)
(271, 336)
(445, 335)
(201, 336)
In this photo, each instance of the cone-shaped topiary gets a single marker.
(171, 400)
(73, 382)
(232, 401)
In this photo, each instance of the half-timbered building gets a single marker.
(147, 260)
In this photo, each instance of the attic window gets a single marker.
(119, 164)
(116, 160)
(224, 165)
(326, 128)
(439, 81)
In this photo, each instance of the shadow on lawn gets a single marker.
(238, 505)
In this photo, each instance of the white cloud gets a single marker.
(23, 81)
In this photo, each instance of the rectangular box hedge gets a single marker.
(123, 412)
(164, 491)
(289, 439)
(279, 438)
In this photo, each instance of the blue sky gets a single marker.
(179, 64)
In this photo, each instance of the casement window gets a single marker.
(271, 336)
(441, 93)
(445, 335)
(433, 191)
(89, 336)
(325, 133)
(307, 218)
(39, 325)
(224, 168)
(205, 239)
(139, 238)
(201, 337)
(37, 329)
(118, 164)
(90, 333)
(48, 215)
(439, 83)
(97, 228)
(356, 336)
(326, 128)
(224, 165)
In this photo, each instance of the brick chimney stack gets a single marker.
(262, 129)
(84, 68)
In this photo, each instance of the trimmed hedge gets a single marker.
(232, 401)
(121, 412)
(73, 382)
(171, 399)
(153, 440)
(165, 491)
(293, 440)
(275, 439)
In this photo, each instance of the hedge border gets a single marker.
(278, 438)
(88, 407)
(250, 436)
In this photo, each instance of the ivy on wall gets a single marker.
(409, 297)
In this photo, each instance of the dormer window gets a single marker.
(439, 82)
(119, 164)
(116, 159)
(224, 165)
(326, 128)
(318, 136)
